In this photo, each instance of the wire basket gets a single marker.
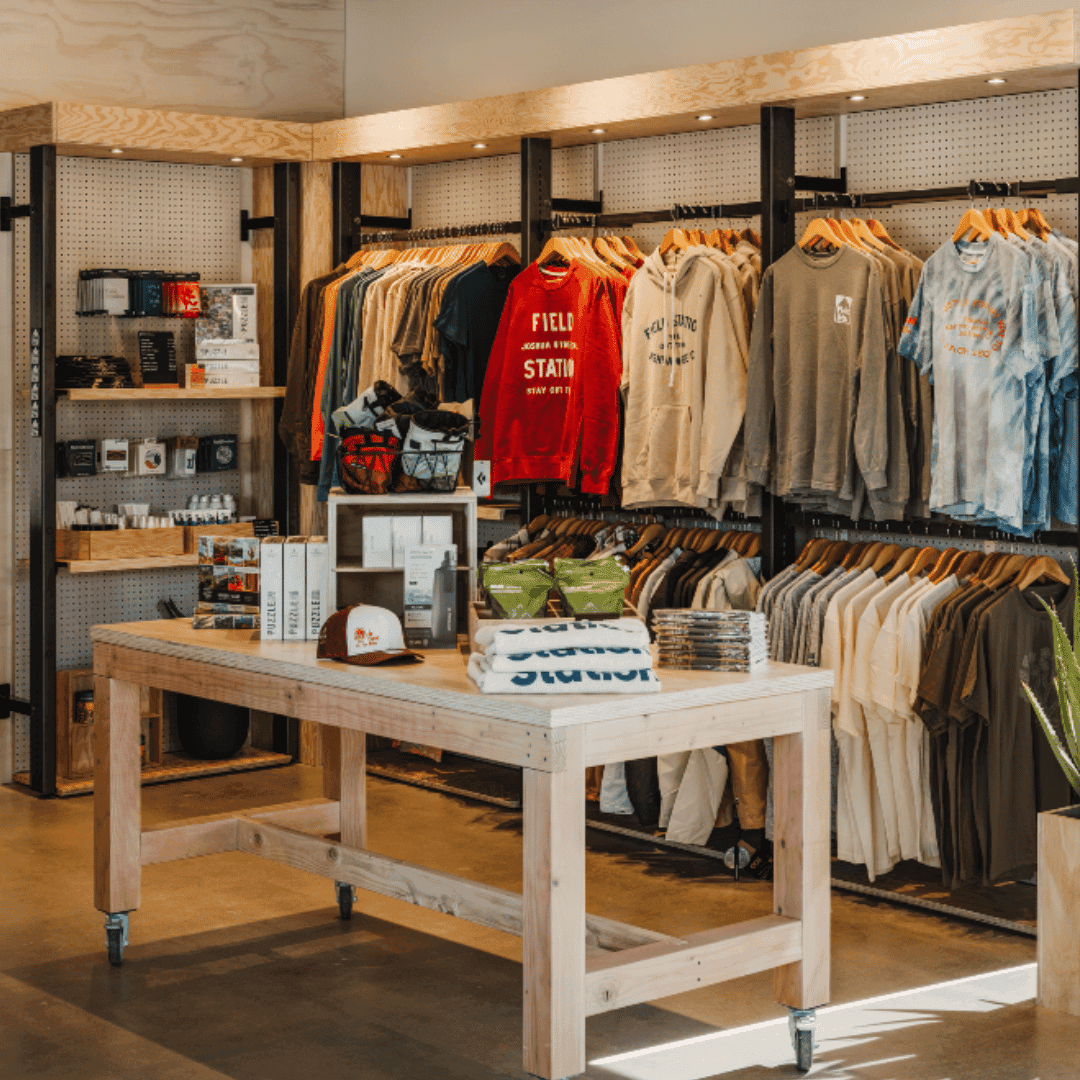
(378, 463)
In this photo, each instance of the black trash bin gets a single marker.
(210, 730)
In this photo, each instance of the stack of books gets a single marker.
(711, 640)
(92, 372)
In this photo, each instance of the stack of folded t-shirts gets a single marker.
(561, 657)
(711, 640)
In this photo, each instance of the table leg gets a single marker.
(801, 851)
(554, 917)
(353, 787)
(331, 762)
(117, 796)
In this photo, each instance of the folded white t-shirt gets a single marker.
(586, 658)
(562, 634)
(636, 681)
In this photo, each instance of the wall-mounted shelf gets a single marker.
(103, 566)
(348, 567)
(163, 393)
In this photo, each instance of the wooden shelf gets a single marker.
(177, 766)
(346, 567)
(149, 393)
(104, 566)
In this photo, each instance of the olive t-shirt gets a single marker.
(1014, 646)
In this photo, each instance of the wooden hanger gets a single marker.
(556, 247)
(926, 559)
(972, 222)
(1005, 571)
(647, 536)
(674, 240)
(1014, 225)
(538, 523)
(970, 563)
(818, 231)
(944, 565)
(751, 236)
(885, 557)
(811, 550)
(1041, 566)
(879, 230)
(753, 548)
(869, 555)
(1032, 218)
(901, 563)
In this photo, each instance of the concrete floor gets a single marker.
(240, 968)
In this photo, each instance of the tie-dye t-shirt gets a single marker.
(972, 327)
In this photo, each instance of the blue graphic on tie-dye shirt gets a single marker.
(973, 329)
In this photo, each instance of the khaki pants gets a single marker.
(748, 782)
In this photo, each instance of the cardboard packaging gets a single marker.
(150, 458)
(430, 597)
(317, 588)
(294, 588)
(271, 552)
(225, 328)
(113, 456)
(378, 541)
(182, 452)
(438, 530)
(408, 532)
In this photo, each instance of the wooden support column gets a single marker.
(353, 787)
(801, 851)
(117, 796)
(554, 916)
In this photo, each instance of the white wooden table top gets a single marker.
(441, 680)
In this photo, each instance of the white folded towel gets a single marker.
(562, 634)
(638, 681)
(621, 658)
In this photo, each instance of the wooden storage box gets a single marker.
(1059, 911)
(193, 532)
(72, 544)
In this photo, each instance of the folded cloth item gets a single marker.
(589, 658)
(366, 409)
(640, 681)
(508, 639)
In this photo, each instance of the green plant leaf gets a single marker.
(1072, 772)
(1067, 683)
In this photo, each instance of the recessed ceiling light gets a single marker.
(597, 131)
(479, 145)
(394, 157)
(996, 81)
(116, 150)
(236, 159)
(705, 116)
(857, 97)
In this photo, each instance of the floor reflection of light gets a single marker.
(690, 1059)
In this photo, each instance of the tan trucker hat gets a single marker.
(364, 634)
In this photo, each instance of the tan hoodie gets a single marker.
(684, 383)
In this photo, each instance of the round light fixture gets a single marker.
(995, 82)
(393, 157)
(236, 159)
(705, 116)
(479, 145)
(857, 97)
(597, 131)
(116, 150)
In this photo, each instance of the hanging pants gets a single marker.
(748, 782)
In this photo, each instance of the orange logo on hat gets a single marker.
(362, 637)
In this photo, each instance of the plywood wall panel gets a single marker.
(384, 190)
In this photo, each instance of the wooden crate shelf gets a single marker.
(167, 393)
(176, 766)
(103, 566)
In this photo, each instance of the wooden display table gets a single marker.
(553, 739)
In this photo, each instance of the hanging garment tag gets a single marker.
(481, 479)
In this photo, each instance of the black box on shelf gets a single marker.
(157, 356)
(76, 457)
(217, 453)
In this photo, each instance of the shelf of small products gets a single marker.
(167, 393)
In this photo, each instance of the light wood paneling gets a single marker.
(384, 190)
(34, 125)
(316, 220)
(353, 787)
(554, 916)
(662, 969)
(1059, 911)
(801, 851)
(1037, 52)
(331, 762)
(117, 796)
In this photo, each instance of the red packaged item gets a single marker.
(188, 299)
(550, 401)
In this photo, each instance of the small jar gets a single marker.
(83, 712)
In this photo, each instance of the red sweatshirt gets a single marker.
(551, 392)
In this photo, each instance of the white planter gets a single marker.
(1059, 910)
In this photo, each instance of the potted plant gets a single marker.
(1059, 834)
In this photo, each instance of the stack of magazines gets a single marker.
(92, 372)
(711, 640)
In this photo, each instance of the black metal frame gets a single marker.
(345, 182)
(41, 211)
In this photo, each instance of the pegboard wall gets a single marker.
(140, 216)
(1019, 137)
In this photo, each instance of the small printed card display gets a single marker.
(430, 597)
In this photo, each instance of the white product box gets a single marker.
(407, 533)
(271, 552)
(234, 367)
(113, 455)
(294, 588)
(438, 530)
(247, 351)
(318, 585)
(378, 541)
(430, 597)
(150, 458)
(231, 378)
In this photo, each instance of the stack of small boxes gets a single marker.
(226, 348)
(229, 586)
(296, 587)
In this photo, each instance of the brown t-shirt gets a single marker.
(1014, 646)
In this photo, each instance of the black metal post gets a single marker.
(286, 307)
(346, 196)
(535, 197)
(777, 237)
(43, 468)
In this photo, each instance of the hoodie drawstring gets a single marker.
(670, 321)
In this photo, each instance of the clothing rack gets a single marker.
(673, 517)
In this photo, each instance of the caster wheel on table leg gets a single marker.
(116, 937)
(801, 1024)
(345, 897)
